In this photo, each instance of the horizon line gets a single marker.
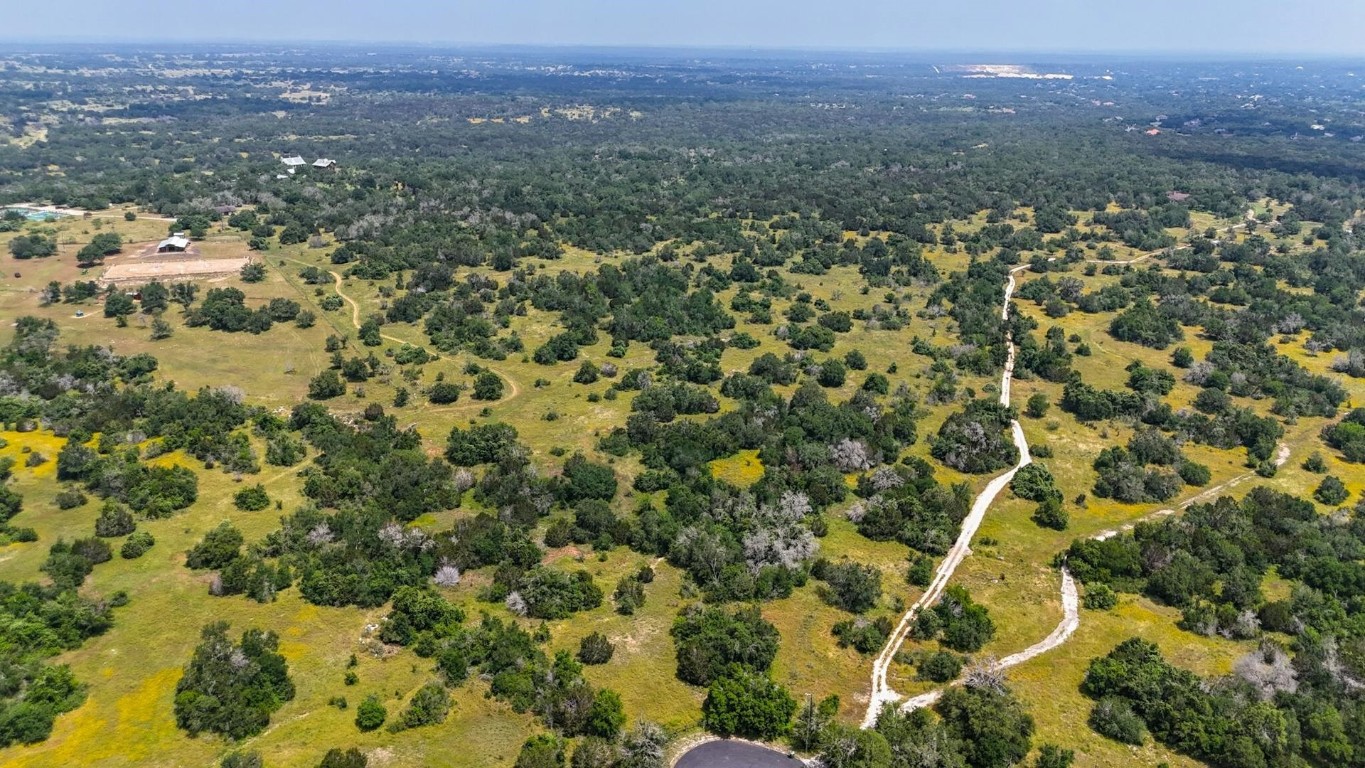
(1162, 53)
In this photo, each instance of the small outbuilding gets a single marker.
(176, 243)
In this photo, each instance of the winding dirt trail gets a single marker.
(355, 306)
(882, 693)
(1250, 216)
(1071, 621)
(1071, 617)
(1281, 456)
(513, 390)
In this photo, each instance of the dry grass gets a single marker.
(132, 669)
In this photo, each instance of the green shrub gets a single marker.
(1315, 463)
(488, 386)
(710, 639)
(1051, 514)
(1035, 483)
(606, 716)
(284, 451)
(855, 588)
(544, 750)
(219, 547)
(114, 520)
(961, 623)
(747, 704)
(326, 385)
(370, 714)
(232, 688)
(351, 758)
(587, 373)
(1331, 491)
(1114, 718)
(558, 533)
(595, 649)
(921, 571)
(253, 272)
(940, 667)
(70, 498)
(242, 760)
(630, 593)
(862, 635)
(443, 393)
(1100, 597)
(136, 545)
(251, 499)
(832, 374)
(429, 706)
(1037, 406)
(1194, 473)
(1053, 756)
(1144, 324)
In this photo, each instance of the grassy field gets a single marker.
(132, 670)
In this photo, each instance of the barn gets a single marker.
(176, 243)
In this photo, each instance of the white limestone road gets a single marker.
(1071, 621)
(1071, 615)
(881, 692)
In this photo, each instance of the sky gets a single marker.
(1210, 27)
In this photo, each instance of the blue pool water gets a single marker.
(33, 215)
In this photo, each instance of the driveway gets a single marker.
(734, 754)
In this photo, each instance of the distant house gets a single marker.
(1177, 197)
(176, 243)
(294, 161)
(324, 163)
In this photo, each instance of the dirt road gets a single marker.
(882, 693)
(513, 391)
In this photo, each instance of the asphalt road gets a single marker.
(734, 754)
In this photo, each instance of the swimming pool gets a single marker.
(34, 215)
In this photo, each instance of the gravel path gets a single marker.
(882, 692)
(1071, 615)
(1071, 621)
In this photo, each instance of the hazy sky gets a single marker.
(1322, 27)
